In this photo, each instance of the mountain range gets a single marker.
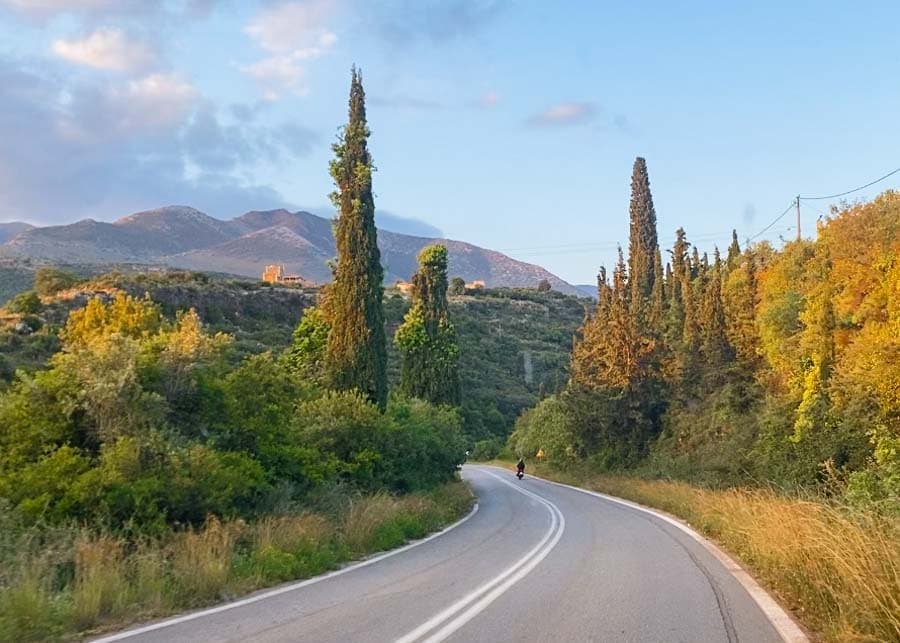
(183, 237)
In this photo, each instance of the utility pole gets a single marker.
(798, 217)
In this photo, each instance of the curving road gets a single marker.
(535, 562)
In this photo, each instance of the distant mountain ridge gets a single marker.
(10, 230)
(183, 237)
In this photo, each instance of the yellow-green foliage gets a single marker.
(780, 365)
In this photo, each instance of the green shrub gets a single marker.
(49, 281)
(25, 303)
(486, 449)
(548, 427)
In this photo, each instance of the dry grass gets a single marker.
(101, 585)
(113, 581)
(836, 568)
(291, 533)
(201, 560)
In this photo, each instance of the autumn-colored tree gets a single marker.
(739, 294)
(356, 356)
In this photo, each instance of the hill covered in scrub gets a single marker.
(514, 343)
(183, 237)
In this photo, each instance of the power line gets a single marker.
(777, 219)
(707, 236)
(862, 187)
(815, 209)
(796, 202)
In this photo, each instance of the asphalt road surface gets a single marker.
(535, 562)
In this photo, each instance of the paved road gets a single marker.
(536, 562)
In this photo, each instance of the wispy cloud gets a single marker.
(564, 114)
(106, 48)
(404, 23)
(292, 33)
(111, 146)
(94, 10)
(50, 7)
(489, 99)
(403, 101)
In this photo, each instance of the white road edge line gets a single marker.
(494, 588)
(283, 589)
(786, 627)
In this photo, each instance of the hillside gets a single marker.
(182, 237)
(10, 230)
(514, 343)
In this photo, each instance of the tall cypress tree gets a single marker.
(609, 353)
(604, 292)
(657, 297)
(426, 338)
(680, 264)
(695, 263)
(356, 356)
(734, 252)
(714, 338)
(740, 310)
(642, 241)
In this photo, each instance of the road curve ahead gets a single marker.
(536, 562)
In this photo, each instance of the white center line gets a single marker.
(469, 606)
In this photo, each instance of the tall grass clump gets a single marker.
(58, 581)
(102, 586)
(201, 560)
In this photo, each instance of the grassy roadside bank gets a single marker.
(837, 569)
(59, 582)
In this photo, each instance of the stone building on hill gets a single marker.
(274, 274)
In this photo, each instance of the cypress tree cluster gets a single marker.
(658, 329)
(356, 354)
(426, 339)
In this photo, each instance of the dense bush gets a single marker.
(548, 427)
(49, 281)
(25, 303)
(141, 423)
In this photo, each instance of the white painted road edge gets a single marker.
(459, 613)
(284, 588)
(786, 627)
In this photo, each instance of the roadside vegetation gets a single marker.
(755, 395)
(63, 579)
(150, 463)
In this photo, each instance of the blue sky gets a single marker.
(513, 125)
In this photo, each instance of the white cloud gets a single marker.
(276, 75)
(292, 25)
(106, 48)
(155, 101)
(292, 32)
(569, 113)
(56, 6)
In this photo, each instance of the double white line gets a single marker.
(465, 609)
